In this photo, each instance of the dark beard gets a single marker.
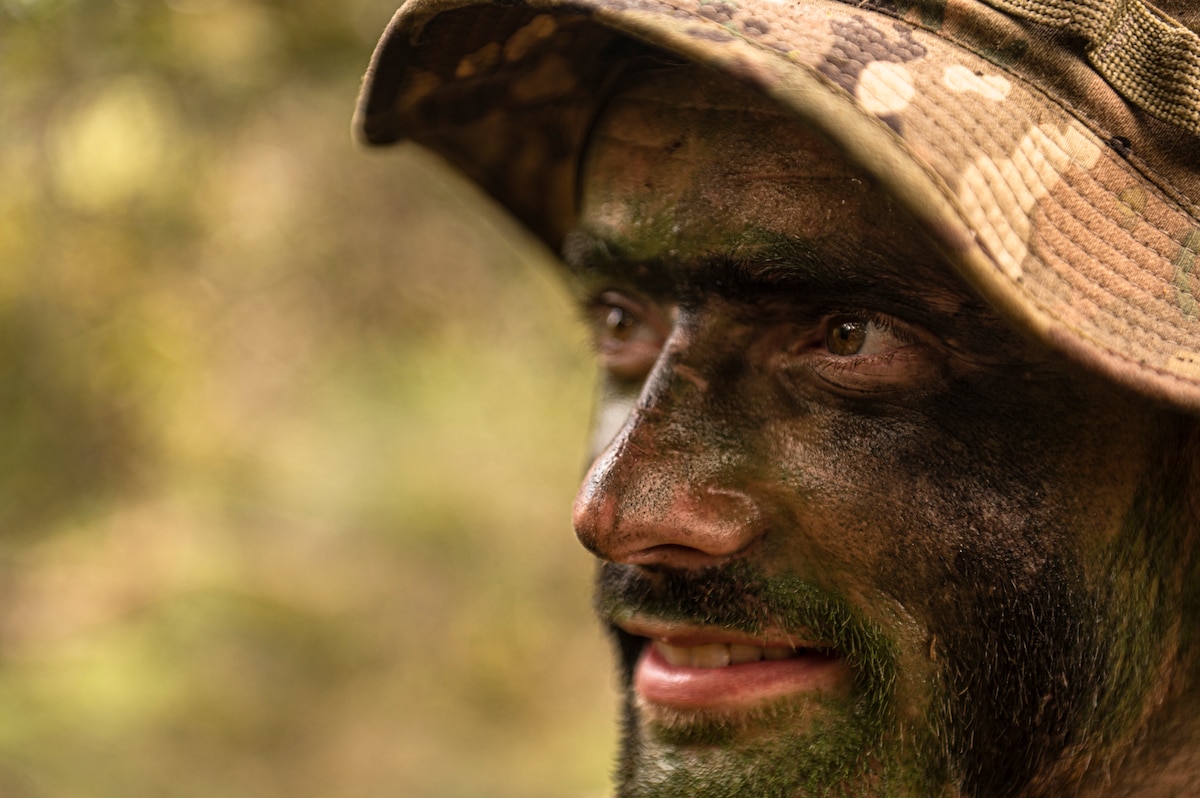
(1047, 674)
(1018, 673)
(1023, 671)
(714, 762)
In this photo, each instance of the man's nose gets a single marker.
(660, 494)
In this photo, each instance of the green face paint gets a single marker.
(831, 739)
(817, 436)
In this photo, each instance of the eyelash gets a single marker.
(628, 358)
(608, 300)
(870, 373)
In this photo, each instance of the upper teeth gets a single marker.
(718, 655)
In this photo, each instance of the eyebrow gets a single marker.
(749, 270)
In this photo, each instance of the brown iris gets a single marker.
(846, 337)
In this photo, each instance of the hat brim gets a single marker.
(1037, 205)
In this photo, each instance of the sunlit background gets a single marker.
(290, 432)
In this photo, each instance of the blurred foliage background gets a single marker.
(289, 431)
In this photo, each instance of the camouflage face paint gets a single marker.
(836, 443)
(844, 737)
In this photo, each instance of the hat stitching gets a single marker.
(1083, 288)
(1112, 248)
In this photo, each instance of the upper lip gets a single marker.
(685, 634)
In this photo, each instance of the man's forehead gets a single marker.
(687, 168)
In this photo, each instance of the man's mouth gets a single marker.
(706, 669)
(721, 655)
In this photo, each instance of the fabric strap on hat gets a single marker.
(1152, 61)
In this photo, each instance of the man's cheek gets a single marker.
(844, 504)
(884, 510)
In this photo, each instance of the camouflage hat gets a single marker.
(1050, 147)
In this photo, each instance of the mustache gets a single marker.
(739, 597)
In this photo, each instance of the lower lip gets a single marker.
(736, 686)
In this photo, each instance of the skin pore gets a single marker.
(953, 564)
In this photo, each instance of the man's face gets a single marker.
(856, 531)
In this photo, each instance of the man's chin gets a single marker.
(808, 745)
(797, 716)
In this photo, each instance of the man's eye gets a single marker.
(862, 353)
(620, 323)
(847, 336)
(628, 334)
